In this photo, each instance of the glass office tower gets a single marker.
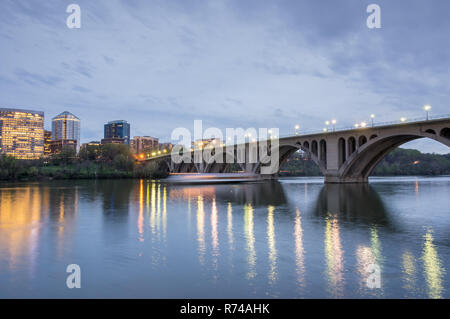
(21, 133)
(66, 126)
(118, 129)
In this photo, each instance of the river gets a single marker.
(295, 238)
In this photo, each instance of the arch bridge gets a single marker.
(343, 156)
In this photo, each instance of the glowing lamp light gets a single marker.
(402, 119)
(427, 107)
(363, 124)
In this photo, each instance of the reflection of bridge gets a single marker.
(344, 156)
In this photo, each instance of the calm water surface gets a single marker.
(293, 238)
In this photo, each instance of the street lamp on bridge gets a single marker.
(334, 124)
(296, 129)
(427, 108)
(372, 116)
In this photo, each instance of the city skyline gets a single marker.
(162, 66)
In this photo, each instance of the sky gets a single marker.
(239, 63)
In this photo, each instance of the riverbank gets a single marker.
(108, 162)
(116, 162)
(78, 171)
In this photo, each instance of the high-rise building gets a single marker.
(47, 142)
(66, 126)
(21, 133)
(118, 129)
(142, 143)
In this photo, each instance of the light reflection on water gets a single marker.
(294, 238)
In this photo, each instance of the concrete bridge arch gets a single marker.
(346, 156)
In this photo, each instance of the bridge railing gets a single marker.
(369, 125)
(348, 128)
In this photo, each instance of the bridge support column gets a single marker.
(331, 178)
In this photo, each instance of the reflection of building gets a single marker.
(113, 140)
(66, 126)
(58, 145)
(118, 129)
(47, 142)
(21, 133)
(141, 143)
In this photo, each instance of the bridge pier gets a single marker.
(335, 179)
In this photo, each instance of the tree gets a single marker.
(66, 156)
(89, 153)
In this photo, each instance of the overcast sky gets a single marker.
(243, 63)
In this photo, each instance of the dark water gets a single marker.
(294, 238)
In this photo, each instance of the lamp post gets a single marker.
(427, 108)
(296, 129)
(372, 116)
(327, 123)
(334, 124)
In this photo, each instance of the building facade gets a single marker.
(165, 147)
(21, 133)
(142, 143)
(66, 126)
(57, 145)
(113, 140)
(118, 129)
(47, 142)
(90, 144)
